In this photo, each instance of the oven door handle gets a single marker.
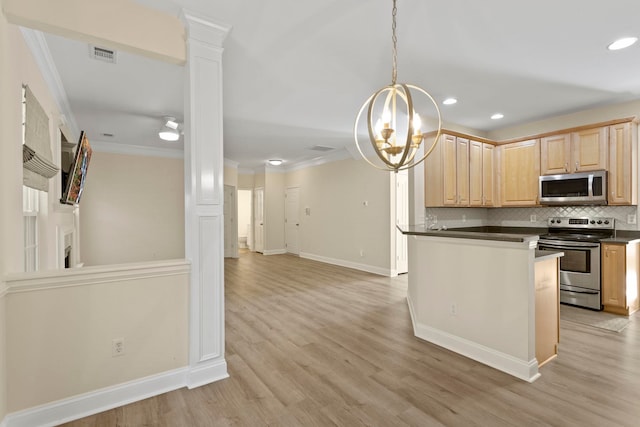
(579, 292)
(572, 245)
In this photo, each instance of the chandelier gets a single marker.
(395, 134)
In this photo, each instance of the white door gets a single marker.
(230, 223)
(402, 217)
(258, 221)
(292, 220)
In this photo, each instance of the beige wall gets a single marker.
(246, 181)
(132, 209)
(340, 225)
(274, 212)
(231, 176)
(580, 118)
(59, 340)
(93, 21)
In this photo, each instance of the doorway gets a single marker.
(230, 220)
(402, 217)
(292, 220)
(258, 219)
(245, 224)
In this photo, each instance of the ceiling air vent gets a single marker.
(321, 148)
(102, 54)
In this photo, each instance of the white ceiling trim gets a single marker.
(334, 156)
(231, 163)
(40, 50)
(135, 150)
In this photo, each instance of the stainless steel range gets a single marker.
(579, 239)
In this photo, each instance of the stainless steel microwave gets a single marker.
(584, 188)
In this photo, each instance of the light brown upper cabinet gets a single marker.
(447, 173)
(520, 169)
(623, 165)
(581, 151)
(481, 174)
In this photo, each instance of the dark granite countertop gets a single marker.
(502, 234)
(623, 237)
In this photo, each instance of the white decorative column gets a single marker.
(204, 197)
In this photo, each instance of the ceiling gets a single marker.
(297, 72)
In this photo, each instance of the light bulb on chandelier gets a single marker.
(396, 136)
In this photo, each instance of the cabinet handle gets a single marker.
(576, 169)
(566, 166)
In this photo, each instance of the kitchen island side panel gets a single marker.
(477, 298)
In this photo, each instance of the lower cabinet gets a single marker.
(620, 277)
(547, 309)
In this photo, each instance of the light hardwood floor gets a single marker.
(310, 344)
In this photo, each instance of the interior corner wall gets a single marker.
(274, 212)
(132, 209)
(231, 176)
(348, 205)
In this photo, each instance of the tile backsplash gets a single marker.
(522, 217)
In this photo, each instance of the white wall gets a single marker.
(340, 225)
(132, 209)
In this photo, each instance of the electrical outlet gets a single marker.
(533, 218)
(117, 347)
(464, 218)
(631, 219)
(454, 309)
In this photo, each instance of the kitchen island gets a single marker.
(474, 292)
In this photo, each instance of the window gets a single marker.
(30, 219)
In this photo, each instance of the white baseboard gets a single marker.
(522, 369)
(349, 264)
(84, 405)
(203, 375)
(274, 252)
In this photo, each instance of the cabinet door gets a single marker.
(433, 184)
(520, 169)
(555, 154)
(476, 181)
(462, 171)
(449, 170)
(589, 150)
(622, 166)
(614, 275)
(488, 175)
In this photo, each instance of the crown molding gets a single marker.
(231, 163)
(245, 171)
(37, 44)
(136, 150)
(334, 156)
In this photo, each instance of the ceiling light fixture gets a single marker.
(622, 43)
(449, 101)
(396, 135)
(275, 162)
(497, 116)
(169, 130)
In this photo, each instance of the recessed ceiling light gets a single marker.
(275, 162)
(449, 101)
(497, 116)
(622, 43)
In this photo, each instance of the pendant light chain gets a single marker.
(394, 39)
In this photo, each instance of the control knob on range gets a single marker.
(606, 221)
(599, 221)
(552, 221)
(593, 222)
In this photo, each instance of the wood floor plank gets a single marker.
(312, 344)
